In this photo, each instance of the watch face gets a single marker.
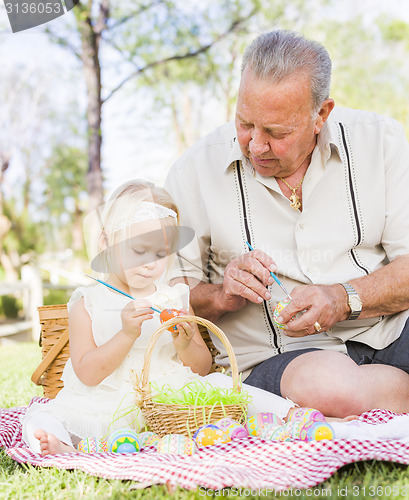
(355, 303)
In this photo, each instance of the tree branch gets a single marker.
(63, 43)
(103, 16)
(136, 13)
(177, 57)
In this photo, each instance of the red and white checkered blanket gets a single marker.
(247, 463)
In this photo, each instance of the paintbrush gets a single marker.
(274, 276)
(117, 290)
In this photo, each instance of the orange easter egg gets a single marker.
(168, 314)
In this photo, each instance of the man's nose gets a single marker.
(258, 144)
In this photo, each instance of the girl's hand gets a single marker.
(133, 315)
(183, 336)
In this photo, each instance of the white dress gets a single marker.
(98, 410)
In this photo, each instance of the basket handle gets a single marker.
(144, 381)
(49, 358)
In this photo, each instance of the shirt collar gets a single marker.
(327, 140)
(237, 155)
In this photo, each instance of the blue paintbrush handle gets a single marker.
(272, 274)
(116, 289)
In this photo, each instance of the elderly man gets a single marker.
(318, 192)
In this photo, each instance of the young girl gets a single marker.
(109, 333)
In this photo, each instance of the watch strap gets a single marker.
(352, 292)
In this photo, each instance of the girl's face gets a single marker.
(141, 257)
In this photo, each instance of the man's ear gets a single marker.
(326, 107)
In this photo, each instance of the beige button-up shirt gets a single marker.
(355, 219)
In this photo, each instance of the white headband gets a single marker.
(146, 211)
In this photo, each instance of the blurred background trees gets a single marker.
(168, 71)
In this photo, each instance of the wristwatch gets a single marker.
(354, 301)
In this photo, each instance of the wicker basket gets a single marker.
(184, 419)
(54, 348)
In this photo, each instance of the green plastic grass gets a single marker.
(198, 393)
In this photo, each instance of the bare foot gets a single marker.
(51, 445)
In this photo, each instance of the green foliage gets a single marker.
(395, 30)
(65, 196)
(53, 297)
(9, 306)
(64, 176)
(375, 82)
(25, 236)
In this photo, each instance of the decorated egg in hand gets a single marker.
(316, 431)
(277, 311)
(148, 438)
(177, 444)
(210, 434)
(123, 441)
(257, 421)
(304, 415)
(92, 445)
(168, 314)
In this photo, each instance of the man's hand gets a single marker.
(322, 304)
(246, 279)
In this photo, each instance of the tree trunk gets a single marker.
(90, 38)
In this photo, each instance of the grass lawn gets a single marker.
(17, 362)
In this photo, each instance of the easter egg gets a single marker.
(92, 445)
(267, 431)
(277, 312)
(273, 432)
(233, 428)
(123, 441)
(224, 422)
(148, 438)
(237, 431)
(206, 426)
(279, 307)
(255, 422)
(294, 429)
(316, 431)
(304, 415)
(208, 435)
(177, 444)
(168, 314)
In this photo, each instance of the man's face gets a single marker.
(276, 125)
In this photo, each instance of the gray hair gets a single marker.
(279, 54)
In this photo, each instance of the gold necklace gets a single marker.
(295, 200)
